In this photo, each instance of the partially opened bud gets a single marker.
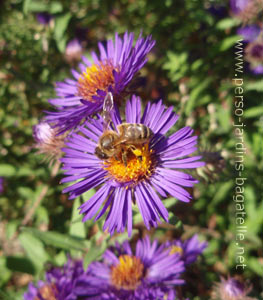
(73, 51)
(47, 140)
(231, 289)
(254, 52)
(246, 10)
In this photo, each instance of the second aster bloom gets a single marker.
(73, 51)
(188, 250)
(151, 170)
(112, 71)
(253, 36)
(246, 10)
(238, 6)
(61, 283)
(231, 289)
(47, 140)
(249, 32)
(148, 274)
(254, 53)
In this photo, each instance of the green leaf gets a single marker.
(34, 6)
(223, 115)
(26, 6)
(61, 24)
(61, 258)
(228, 43)
(254, 211)
(173, 220)
(11, 228)
(253, 112)
(93, 254)
(197, 64)
(5, 296)
(34, 249)
(256, 265)
(7, 170)
(120, 238)
(257, 86)
(227, 23)
(20, 264)
(77, 227)
(169, 202)
(59, 240)
(55, 7)
(26, 192)
(222, 193)
(61, 44)
(5, 272)
(176, 64)
(137, 218)
(42, 215)
(24, 171)
(195, 94)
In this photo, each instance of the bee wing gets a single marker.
(107, 108)
(120, 141)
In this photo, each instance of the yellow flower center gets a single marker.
(98, 76)
(175, 249)
(47, 292)
(139, 164)
(128, 273)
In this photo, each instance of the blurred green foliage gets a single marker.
(191, 67)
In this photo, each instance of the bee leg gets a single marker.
(136, 152)
(116, 157)
(124, 158)
(132, 147)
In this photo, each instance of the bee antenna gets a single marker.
(108, 104)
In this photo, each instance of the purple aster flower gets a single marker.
(137, 172)
(254, 52)
(231, 289)
(151, 273)
(42, 132)
(44, 18)
(238, 5)
(112, 71)
(73, 51)
(254, 48)
(246, 10)
(2, 180)
(66, 283)
(189, 249)
(47, 140)
(249, 32)
(254, 55)
(257, 70)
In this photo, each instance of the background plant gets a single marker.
(191, 67)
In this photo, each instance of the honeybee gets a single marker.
(118, 145)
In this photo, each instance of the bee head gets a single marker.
(107, 140)
(100, 154)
